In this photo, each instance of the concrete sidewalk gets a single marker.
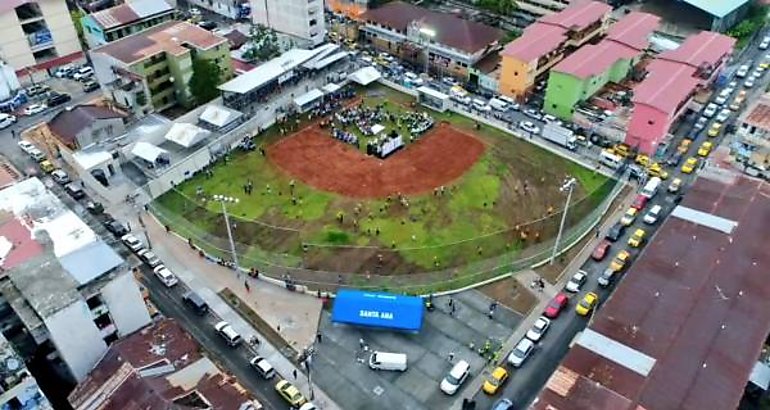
(296, 314)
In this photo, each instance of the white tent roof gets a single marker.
(185, 134)
(329, 60)
(330, 88)
(433, 93)
(309, 96)
(323, 52)
(269, 71)
(147, 151)
(365, 76)
(219, 116)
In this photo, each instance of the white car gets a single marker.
(765, 43)
(743, 71)
(749, 83)
(166, 276)
(34, 109)
(6, 120)
(261, 366)
(723, 115)
(26, 146)
(60, 177)
(710, 110)
(533, 113)
(529, 126)
(521, 352)
(456, 377)
(149, 258)
(538, 329)
(83, 73)
(132, 242)
(701, 123)
(576, 282)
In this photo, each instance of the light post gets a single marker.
(308, 366)
(222, 199)
(568, 186)
(426, 33)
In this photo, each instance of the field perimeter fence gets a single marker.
(281, 252)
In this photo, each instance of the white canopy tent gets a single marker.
(365, 76)
(308, 100)
(186, 135)
(148, 152)
(219, 116)
(276, 68)
(330, 88)
(377, 128)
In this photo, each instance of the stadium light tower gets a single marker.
(427, 34)
(567, 186)
(222, 199)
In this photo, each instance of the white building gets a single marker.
(231, 9)
(71, 292)
(302, 19)
(18, 389)
(37, 34)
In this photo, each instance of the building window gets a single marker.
(313, 22)
(650, 122)
(515, 73)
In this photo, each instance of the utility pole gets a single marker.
(568, 186)
(222, 200)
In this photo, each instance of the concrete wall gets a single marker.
(292, 17)
(647, 128)
(124, 300)
(516, 76)
(77, 339)
(562, 93)
(14, 47)
(99, 130)
(58, 19)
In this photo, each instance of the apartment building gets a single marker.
(442, 43)
(231, 9)
(540, 8)
(37, 35)
(301, 19)
(18, 388)
(545, 43)
(150, 70)
(350, 8)
(123, 20)
(69, 291)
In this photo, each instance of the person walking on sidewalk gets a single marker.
(294, 373)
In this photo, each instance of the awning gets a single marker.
(320, 64)
(365, 76)
(330, 88)
(433, 93)
(308, 97)
(219, 116)
(186, 135)
(268, 71)
(381, 310)
(147, 151)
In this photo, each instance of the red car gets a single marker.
(601, 250)
(639, 202)
(556, 305)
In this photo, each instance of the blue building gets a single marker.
(378, 310)
(120, 21)
(722, 14)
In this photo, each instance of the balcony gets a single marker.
(108, 330)
(28, 12)
(99, 310)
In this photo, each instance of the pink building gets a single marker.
(673, 78)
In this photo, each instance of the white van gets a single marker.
(652, 215)
(228, 333)
(651, 188)
(480, 105)
(387, 361)
(6, 120)
(610, 160)
(498, 104)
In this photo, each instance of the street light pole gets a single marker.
(568, 186)
(222, 199)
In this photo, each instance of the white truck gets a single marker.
(559, 135)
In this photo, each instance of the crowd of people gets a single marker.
(417, 122)
(366, 119)
(344, 136)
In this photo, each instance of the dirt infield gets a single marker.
(438, 158)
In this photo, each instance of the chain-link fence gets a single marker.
(279, 252)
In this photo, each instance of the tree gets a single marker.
(504, 7)
(76, 15)
(205, 79)
(262, 44)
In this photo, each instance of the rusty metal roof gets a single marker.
(697, 301)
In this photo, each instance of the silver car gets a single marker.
(576, 282)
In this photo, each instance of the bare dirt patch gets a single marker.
(512, 294)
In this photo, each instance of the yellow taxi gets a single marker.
(47, 166)
(629, 217)
(764, 65)
(642, 160)
(495, 380)
(637, 238)
(656, 170)
(622, 149)
(290, 393)
(587, 304)
(684, 146)
(705, 149)
(689, 165)
(715, 129)
(620, 261)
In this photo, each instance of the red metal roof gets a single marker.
(634, 29)
(759, 114)
(536, 41)
(666, 85)
(594, 59)
(697, 301)
(578, 15)
(25, 247)
(704, 48)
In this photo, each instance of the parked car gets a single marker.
(710, 110)
(675, 185)
(502, 404)
(587, 304)
(674, 159)
(90, 85)
(6, 120)
(262, 367)
(37, 89)
(529, 126)
(456, 377)
(639, 202)
(607, 277)
(82, 73)
(615, 232)
(117, 228)
(94, 208)
(556, 305)
(533, 113)
(620, 261)
(64, 71)
(148, 257)
(60, 177)
(538, 329)
(33, 109)
(232, 337)
(576, 282)
(652, 215)
(58, 99)
(600, 252)
(689, 165)
(629, 217)
(207, 25)
(290, 393)
(165, 275)
(26, 146)
(701, 123)
(75, 191)
(637, 238)
(521, 352)
(496, 379)
(132, 242)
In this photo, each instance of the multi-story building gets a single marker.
(586, 71)
(123, 20)
(18, 388)
(231, 9)
(37, 35)
(350, 8)
(671, 82)
(160, 367)
(302, 19)
(441, 43)
(545, 43)
(150, 70)
(540, 8)
(70, 293)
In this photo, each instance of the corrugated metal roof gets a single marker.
(617, 352)
(89, 262)
(666, 87)
(704, 219)
(536, 41)
(634, 29)
(578, 15)
(703, 49)
(760, 375)
(130, 12)
(591, 60)
(717, 8)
